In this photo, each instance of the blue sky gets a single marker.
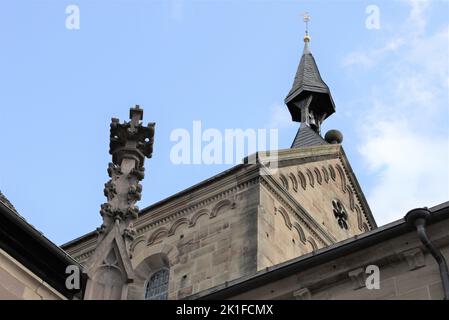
(230, 65)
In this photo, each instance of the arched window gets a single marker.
(157, 285)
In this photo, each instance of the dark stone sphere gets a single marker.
(334, 136)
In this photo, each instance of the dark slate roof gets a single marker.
(306, 137)
(33, 250)
(307, 76)
(308, 82)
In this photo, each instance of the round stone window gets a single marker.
(340, 214)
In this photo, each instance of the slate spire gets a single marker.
(309, 100)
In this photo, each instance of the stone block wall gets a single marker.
(406, 269)
(283, 233)
(19, 283)
(203, 247)
(314, 185)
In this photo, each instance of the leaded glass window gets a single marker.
(157, 285)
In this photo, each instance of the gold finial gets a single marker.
(306, 19)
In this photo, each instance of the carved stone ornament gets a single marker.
(358, 278)
(415, 258)
(109, 269)
(131, 138)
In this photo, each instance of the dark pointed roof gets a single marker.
(308, 82)
(307, 137)
(307, 76)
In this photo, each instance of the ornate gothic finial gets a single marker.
(306, 19)
(130, 143)
(131, 139)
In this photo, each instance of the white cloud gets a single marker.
(371, 58)
(411, 167)
(417, 15)
(405, 130)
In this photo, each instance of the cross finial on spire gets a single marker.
(135, 114)
(306, 19)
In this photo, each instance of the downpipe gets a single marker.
(417, 218)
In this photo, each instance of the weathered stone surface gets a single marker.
(436, 291)
(415, 258)
(418, 278)
(358, 277)
(416, 294)
(302, 294)
(185, 292)
(332, 280)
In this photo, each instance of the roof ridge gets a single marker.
(6, 202)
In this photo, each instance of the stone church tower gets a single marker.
(235, 223)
